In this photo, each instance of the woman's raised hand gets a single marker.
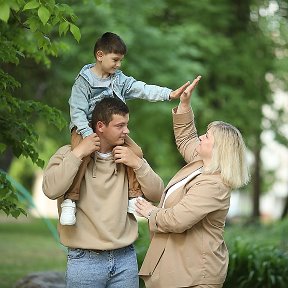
(185, 97)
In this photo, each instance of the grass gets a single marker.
(28, 246)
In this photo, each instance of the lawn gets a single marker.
(27, 244)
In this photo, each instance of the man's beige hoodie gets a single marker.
(102, 219)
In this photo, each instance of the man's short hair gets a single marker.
(110, 43)
(106, 108)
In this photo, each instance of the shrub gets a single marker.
(256, 266)
(255, 261)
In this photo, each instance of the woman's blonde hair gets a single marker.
(228, 155)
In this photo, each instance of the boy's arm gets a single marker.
(79, 107)
(133, 89)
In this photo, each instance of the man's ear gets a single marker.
(99, 126)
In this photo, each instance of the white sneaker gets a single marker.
(132, 207)
(68, 212)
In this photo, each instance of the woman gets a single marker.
(187, 247)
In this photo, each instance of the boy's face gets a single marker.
(114, 133)
(109, 62)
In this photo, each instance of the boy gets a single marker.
(95, 82)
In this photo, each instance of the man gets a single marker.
(100, 245)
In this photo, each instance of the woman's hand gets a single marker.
(185, 97)
(144, 207)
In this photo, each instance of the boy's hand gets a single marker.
(177, 93)
(87, 146)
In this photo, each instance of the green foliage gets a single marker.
(252, 265)
(16, 130)
(143, 240)
(255, 259)
(9, 202)
(169, 43)
(27, 30)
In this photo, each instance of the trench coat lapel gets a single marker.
(181, 174)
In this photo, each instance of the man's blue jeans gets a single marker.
(106, 269)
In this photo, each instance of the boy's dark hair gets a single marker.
(106, 108)
(110, 43)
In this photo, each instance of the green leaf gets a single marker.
(75, 31)
(4, 12)
(40, 163)
(31, 5)
(15, 213)
(33, 23)
(44, 14)
(14, 5)
(63, 27)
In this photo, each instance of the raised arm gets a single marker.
(185, 98)
(134, 89)
(183, 123)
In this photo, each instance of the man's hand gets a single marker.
(126, 156)
(177, 93)
(87, 146)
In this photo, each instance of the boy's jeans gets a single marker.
(102, 269)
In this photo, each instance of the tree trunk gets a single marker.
(256, 184)
(285, 210)
(6, 159)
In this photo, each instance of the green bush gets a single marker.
(142, 244)
(257, 266)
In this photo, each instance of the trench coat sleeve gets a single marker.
(60, 172)
(186, 135)
(151, 184)
(201, 199)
